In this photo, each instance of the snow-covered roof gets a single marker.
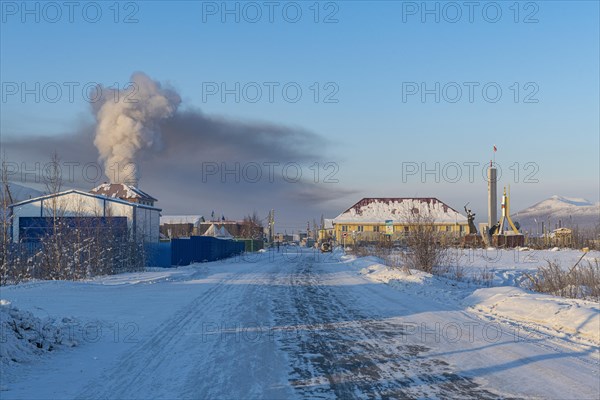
(181, 219)
(81, 193)
(327, 223)
(379, 210)
(218, 232)
(121, 191)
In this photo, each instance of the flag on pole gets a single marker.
(495, 149)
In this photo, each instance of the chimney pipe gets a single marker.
(492, 196)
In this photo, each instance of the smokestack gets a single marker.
(492, 196)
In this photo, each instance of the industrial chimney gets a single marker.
(492, 196)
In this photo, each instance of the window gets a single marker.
(406, 229)
(376, 228)
(360, 228)
(344, 228)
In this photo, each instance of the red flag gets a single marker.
(495, 149)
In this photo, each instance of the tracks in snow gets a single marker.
(339, 351)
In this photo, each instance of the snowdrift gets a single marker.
(24, 337)
(568, 317)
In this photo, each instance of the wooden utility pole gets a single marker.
(271, 225)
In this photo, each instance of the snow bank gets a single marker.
(572, 318)
(576, 318)
(381, 273)
(25, 338)
(149, 276)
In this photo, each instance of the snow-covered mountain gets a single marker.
(566, 211)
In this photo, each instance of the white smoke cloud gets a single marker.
(128, 123)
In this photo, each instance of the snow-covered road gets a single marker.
(289, 326)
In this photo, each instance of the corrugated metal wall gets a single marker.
(158, 254)
(186, 251)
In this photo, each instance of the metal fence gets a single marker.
(185, 251)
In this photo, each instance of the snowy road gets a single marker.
(300, 326)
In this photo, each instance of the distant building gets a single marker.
(176, 226)
(562, 237)
(283, 238)
(326, 232)
(33, 218)
(218, 231)
(238, 229)
(371, 219)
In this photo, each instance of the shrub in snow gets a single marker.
(427, 249)
(72, 253)
(580, 282)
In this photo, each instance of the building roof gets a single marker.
(79, 192)
(122, 191)
(218, 232)
(181, 219)
(398, 209)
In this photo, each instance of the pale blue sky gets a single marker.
(367, 54)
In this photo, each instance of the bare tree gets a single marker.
(426, 250)
(5, 223)
(252, 226)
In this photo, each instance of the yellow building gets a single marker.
(562, 237)
(326, 231)
(377, 219)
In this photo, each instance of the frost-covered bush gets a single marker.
(72, 253)
(579, 282)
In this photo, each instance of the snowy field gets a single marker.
(508, 267)
(309, 325)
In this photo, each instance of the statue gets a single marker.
(494, 229)
(471, 219)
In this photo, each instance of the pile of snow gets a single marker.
(382, 273)
(415, 283)
(24, 337)
(576, 318)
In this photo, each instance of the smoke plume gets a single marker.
(181, 139)
(128, 122)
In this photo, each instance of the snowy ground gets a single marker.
(307, 325)
(508, 266)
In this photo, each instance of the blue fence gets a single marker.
(158, 254)
(164, 254)
(186, 251)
